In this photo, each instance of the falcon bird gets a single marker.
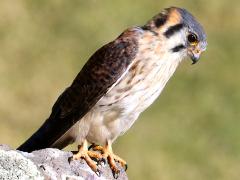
(118, 82)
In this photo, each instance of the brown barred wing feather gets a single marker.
(100, 73)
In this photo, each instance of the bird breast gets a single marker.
(116, 111)
(144, 81)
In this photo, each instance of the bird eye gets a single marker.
(192, 39)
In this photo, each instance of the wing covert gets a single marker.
(104, 68)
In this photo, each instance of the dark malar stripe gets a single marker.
(178, 48)
(172, 30)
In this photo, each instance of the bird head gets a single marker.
(181, 30)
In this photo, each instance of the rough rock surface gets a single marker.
(48, 164)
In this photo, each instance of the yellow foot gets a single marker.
(84, 153)
(108, 154)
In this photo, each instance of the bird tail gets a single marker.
(54, 133)
(39, 140)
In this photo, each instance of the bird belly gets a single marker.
(98, 126)
(116, 111)
(114, 118)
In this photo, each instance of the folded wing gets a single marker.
(99, 74)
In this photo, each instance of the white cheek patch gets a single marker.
(176, 39)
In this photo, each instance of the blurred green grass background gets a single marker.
(191, 132)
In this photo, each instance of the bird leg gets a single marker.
(108, 154)
(84, 153)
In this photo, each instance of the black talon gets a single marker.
(104, 161)
(115, 174)
(126, 167)
(70, 159)
(91, 146)
(98, 172)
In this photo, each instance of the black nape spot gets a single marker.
(178, 48)
(148, 28)
(160, 21)
(173, 29)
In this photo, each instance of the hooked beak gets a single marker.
(194, 55)
(195, 58)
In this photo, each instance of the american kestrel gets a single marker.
(119, 81)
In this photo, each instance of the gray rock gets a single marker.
(49, 164)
